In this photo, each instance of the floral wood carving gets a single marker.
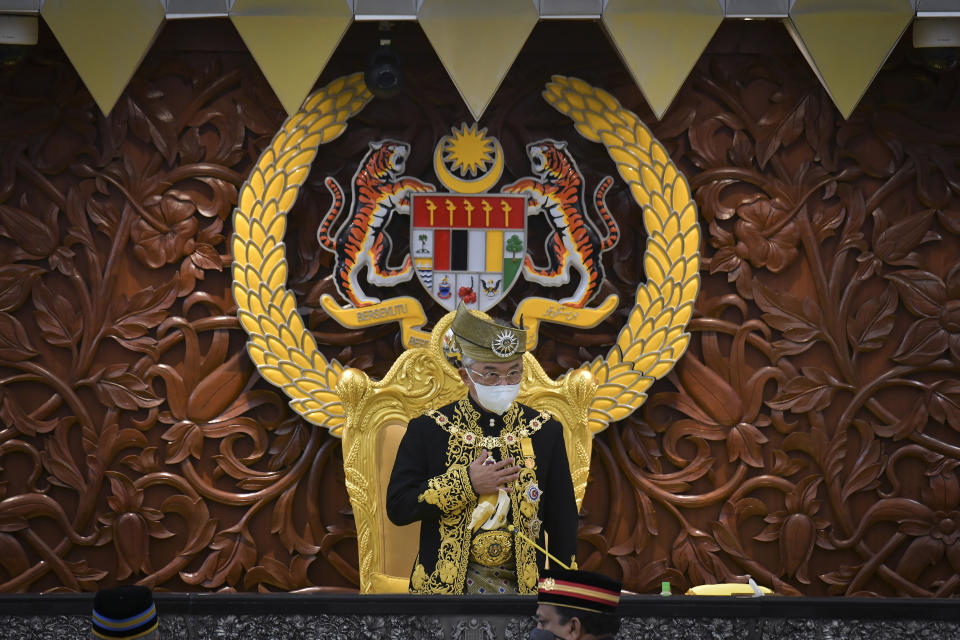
(807, 438)
(137, 444)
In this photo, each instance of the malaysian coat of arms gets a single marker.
(468, 243)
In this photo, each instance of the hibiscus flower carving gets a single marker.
(937, 303)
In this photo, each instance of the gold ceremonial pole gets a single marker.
(546, 539)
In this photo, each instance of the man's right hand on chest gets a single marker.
(488, 478)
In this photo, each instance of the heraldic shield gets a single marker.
(468, 248)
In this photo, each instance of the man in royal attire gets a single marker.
(471, 469)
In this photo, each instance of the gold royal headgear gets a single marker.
(484, 340)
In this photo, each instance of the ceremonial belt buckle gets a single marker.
(492, 548)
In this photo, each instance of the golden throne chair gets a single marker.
(377, 413)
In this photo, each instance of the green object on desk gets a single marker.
(665, 589)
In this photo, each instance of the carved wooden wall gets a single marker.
(808, 437)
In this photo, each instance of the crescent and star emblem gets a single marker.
(472, 152)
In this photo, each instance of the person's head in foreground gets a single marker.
(492, 359)
(576, 605)
(125, 612)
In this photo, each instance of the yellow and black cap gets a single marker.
(582, 590)
(124, 612)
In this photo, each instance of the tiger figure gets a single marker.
(379, 190)
(574, 243)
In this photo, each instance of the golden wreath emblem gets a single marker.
(652, 340)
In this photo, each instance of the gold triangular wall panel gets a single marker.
(659, 41)
(105, 40)
(477, 42)
(847, 41)
(291, 40)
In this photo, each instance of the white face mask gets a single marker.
(495, 398)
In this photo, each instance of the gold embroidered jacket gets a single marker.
(430, 483)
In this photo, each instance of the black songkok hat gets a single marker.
(584, 590)
(124, 612)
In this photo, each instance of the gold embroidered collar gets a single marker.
(472, 434)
